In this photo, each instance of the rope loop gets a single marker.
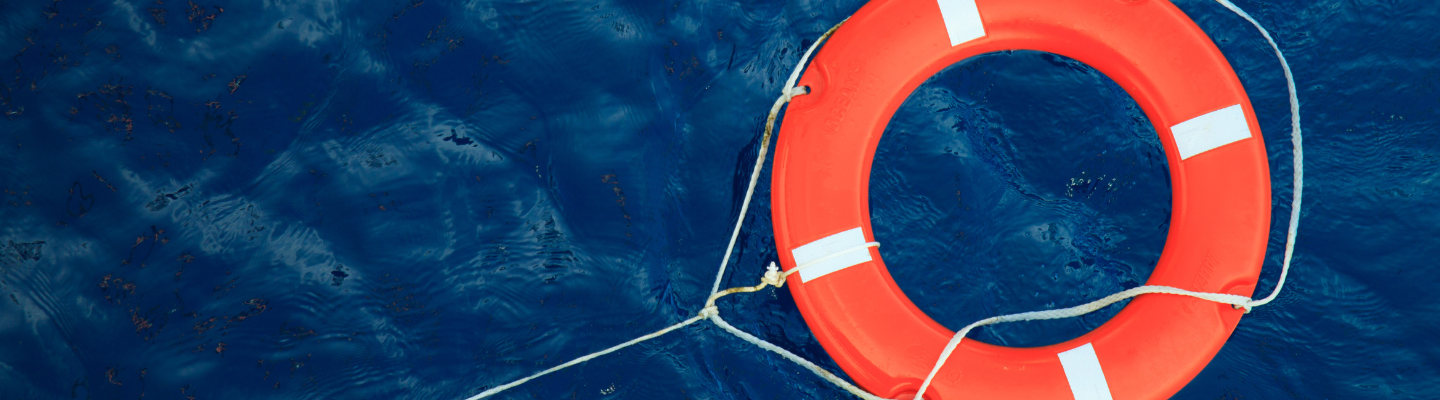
(791, 92)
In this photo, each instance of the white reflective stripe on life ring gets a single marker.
(840, 242)
(1210, 131)
(962, 20)
(1082, 369)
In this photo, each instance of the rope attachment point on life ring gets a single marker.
(773, 276)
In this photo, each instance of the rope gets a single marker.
(703, 313)
(823, 374)
(1233, 300)
(1299, 157)
(786, 93)
(1239, 302)
(773, 277)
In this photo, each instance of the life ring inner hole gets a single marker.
(1019, 181)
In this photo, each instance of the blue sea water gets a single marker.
(424, 199)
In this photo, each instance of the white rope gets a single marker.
(1234, 300)
(703, 313)
(1299, 157)
(1240, 302)
(822, 373)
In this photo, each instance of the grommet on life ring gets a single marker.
(1218, 229)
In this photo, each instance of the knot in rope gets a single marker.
(773, 277)
(708, 311)
(791, 92)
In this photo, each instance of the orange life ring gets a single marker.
(1218, 230)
